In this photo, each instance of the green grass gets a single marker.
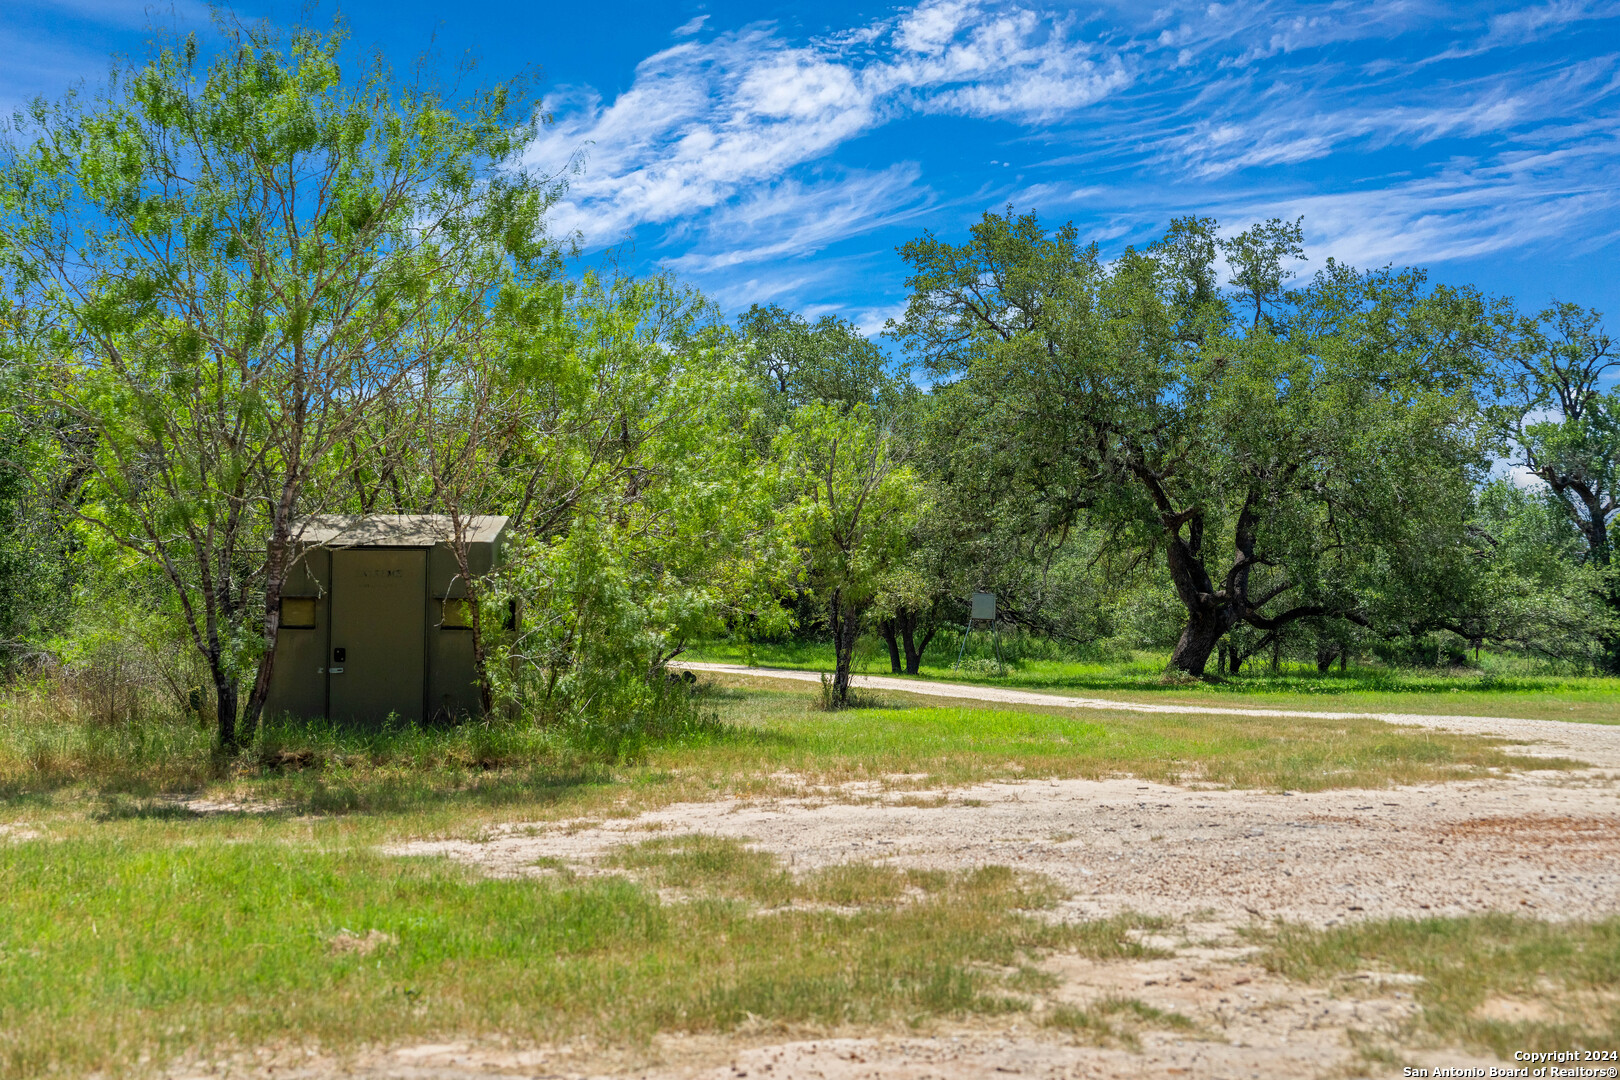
(1115, 1020)
(1565, 977)
(748, 737)
(138, 923)
(960, 743)
(730, 867)
(139, 939)
(1469, 691)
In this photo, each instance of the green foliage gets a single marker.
(1272, 461)
(853, 497)
(829, 361)
(37, 566)
(642, 511)
(850, 503)
(1566, 431)
(236, 261)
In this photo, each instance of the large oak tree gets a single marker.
(1267, 444)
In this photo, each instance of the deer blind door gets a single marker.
(376, 659)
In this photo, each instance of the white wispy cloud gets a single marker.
(792, 218)
(1287, 132)
(724, 126)
(690, 26)
(726, 155)
(1469, 212)
(1540, 20)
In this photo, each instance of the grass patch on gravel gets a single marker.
(1115, 1021)
(727, 867)
(138, 940)
(1493, 982)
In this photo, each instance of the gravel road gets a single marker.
(1596, 744)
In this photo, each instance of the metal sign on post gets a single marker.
(982, 608)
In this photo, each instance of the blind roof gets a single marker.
(394, 530)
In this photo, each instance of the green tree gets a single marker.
(800, 362)
(908, 606)
(1566, 428)
(1524, 583)
(1267, 459)
(240, 259)
(620, 438)
(853, 500)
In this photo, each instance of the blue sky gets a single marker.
(780, 152)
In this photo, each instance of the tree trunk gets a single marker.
(277, 559)
(225, 695)
(887, 626)
(1325, 655)
(275, 582)
(846, 625)
(1198, 639)
(1208, 616)
(914, 648)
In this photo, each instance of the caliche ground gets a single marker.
(946, 893)
(1216, 869)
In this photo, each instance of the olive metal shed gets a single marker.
(375, 621)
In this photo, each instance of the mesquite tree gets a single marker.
(1265, 444)
(242, 258)
(853, 500)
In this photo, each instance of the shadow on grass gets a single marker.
(299, 767)
(118, 808)
(399, 793)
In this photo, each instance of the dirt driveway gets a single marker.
(1540, 843)
(1545, 844)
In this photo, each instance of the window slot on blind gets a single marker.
(457, 614)
(298, 612)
